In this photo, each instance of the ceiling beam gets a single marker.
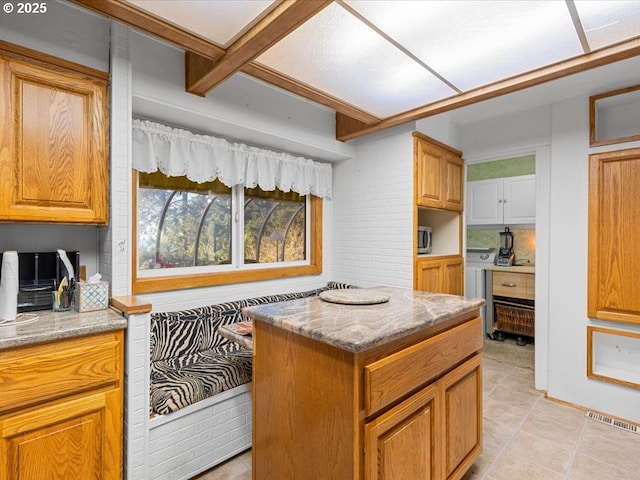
(133, 16)
(277, 24)
(621, 51)
(201, 55)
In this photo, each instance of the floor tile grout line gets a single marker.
(515, 431)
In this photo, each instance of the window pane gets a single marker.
(274, 226)
(182, 227)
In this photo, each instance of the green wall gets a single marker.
(509, 167)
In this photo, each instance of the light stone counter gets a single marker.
(51, 326)
(356, 328)
(513, 269)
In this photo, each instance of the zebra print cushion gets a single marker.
(181, 381)
(190, 361)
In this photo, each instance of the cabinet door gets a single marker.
(67, 440)
(402, 443)
(53, 146)
(453, 270)
(430, 174)
(453, 182)
(520, 199)
(461, 399)
(429, 274)
(440, 275)
(484, 202)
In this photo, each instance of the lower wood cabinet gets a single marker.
(61, 409)
(435, 434)
(440, 274)
(408, 410)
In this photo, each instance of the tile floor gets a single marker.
(526, 437)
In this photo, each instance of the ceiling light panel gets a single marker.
(608, 22)
(340, 55)
(220, 21)
(474, 43)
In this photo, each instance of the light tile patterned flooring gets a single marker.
(526, 437)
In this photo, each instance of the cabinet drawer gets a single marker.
(515, 285)
(393, 377)
(40, 373)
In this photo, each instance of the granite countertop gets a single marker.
(513, 269)
(50, 326)
(356, 328)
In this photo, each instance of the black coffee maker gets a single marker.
(505, 257)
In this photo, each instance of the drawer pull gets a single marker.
(506, 284)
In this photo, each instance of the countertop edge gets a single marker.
(50, 327)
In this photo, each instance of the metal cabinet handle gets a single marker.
(505, 284)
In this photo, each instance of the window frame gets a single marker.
(237, 275)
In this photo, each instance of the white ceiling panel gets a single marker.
(474, 43)
(220, 21)
(608, 22)
(342, 56)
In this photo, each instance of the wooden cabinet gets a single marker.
(402, 443)
(436, 433)
(410, 409)
(614, 229)
(53, 144)
(440, 274)
(508, 201)
(61, 409)
(438, 174)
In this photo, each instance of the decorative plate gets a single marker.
(354, 296)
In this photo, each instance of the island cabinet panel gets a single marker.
(391, 378)
(305, 419)
(74, 431)
(460, 395)
(321, 412)
(402, 442)
(53, 144)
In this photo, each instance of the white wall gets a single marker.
(559, 136)
(373, 212)
(242, 110)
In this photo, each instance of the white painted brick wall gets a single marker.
(197, 437)
(373, 213)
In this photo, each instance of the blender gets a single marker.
(505, 257)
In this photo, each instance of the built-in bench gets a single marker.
(200, 396)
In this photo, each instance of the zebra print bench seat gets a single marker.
(190, 361)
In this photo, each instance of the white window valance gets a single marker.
(203, 158)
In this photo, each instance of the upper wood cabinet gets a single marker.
(614, 229)
(53, 143)
(439, 174)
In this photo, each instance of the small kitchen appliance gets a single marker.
(505, 257)
(40, 273)
(424, 240)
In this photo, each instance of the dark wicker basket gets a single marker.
(515, 319)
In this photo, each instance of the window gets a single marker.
(196, 234)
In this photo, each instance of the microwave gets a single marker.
(424, 240)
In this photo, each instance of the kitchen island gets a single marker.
(391, 390)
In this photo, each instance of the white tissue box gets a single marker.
(92, 296)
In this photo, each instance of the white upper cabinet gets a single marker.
(508, 201)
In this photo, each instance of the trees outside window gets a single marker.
(183, 227)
